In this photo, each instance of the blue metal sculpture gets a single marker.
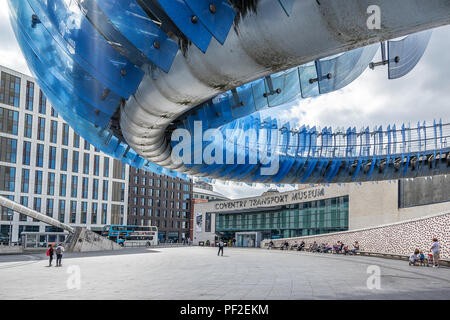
(126, 74)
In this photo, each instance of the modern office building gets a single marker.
(203, 190)
(46, 166)
(320, 209)
(160, 201)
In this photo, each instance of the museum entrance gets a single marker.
(248, 239)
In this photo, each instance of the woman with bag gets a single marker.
(50, 254)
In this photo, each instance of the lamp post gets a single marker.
(10, 227)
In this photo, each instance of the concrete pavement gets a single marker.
(198, 273)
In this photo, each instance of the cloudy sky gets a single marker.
(423, 94)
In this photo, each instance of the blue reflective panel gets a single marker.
(64, 90)
(216, 114)
(344, 68)
(129, 18)
(96, 135)
(182, 16)
(69, 27)
(76, 81)
(246, 106)
(216, 15)
(307, 73)
(259, 94)
(404, 54)
(289, 84)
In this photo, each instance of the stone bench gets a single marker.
(387, 255)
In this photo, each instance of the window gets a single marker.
(25, 180)
(96, 165)
(75, 156)
(51, 184)
(39, 155)
(65, 134)
(37, 204)
(62, 210)
(94, 213)
(54, 113)
(24, 202)
(104, 213)
(83, 212)
(41, 129)
(74, 186)
(42, 103)
(105, 190)
(123, 170)
(9, 121)
(95, 189)
(87, 146)
(86, 163)
(64, 155)
(85, 188)
(54, 132)
(122, 192)
(76, 140)
(28, 125)
(38, 182)
(29, 96)
(106, 167)
(10, 89)
(73, 211)
(51, 157)
(62, 185)
(8, 149)
(49, 209)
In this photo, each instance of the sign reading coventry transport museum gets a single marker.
(270, 200)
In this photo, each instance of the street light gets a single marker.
(10, 215)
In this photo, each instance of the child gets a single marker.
(421, 258)
(414, 258)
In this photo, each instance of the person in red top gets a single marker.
(50, 252)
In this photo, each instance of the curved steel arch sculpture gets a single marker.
(125, 74)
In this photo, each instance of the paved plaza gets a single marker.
(198, 273)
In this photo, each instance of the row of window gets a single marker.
(97, 214)
(158, 183)
(8, 176)
(322, 214)
(26, 160)
(160, 223)
(145, 201)
(150, 212)
(158, 193)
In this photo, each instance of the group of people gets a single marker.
(338, 247)
(418, 257)
(59, 251)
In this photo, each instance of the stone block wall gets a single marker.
(397, 238)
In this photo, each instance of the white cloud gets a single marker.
(10, 54)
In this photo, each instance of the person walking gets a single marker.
(435, 250)
(50, 253)
(220, 247)
(59, 253)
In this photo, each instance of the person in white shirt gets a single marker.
(414, 258)
(435, 251)
(59, 253)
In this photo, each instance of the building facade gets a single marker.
(320, 210)
(46, 166)
(160, 201)
(205, 191)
